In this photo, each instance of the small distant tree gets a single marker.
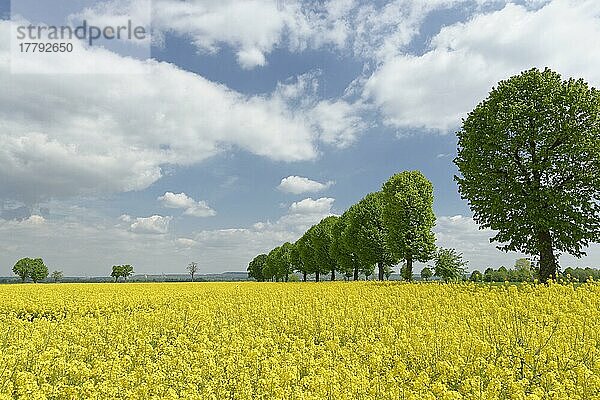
(39, 271)
(476, 276)
(501, 274)
(127, 271)
(56, 276)
(449, 264)
(116, 272)
(426, 273)
(192, 268)
(22, 268)
(33, 268)
(121, 271)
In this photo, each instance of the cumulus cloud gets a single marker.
(188, 204)
(155, 224)
(115, 132)
(337, 122)
(436, 89)
(298, 184)
(237, 246)
(36, 219)
(309, 206)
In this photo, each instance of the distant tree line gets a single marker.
(525, 271)
(384, 228)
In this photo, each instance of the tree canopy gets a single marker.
(256, 266)
(449, 264)
(33, 268)
(529, 162)
(121, 271)
(409, 218)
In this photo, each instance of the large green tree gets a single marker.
(255, 267)
(409, 219)
(529, 159)
(367, 235)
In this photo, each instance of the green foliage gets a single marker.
(476, 276)
(529, 158)
(33, 268)
(192, 268)
(426, 273)
(279, 264)
(341, 249)
(22, 268)
(296, 260)
(315, 248)
(322, 242)
(366, 233)
(449, 264)
(255, 267)
(121, 271)
(580, 274)
(523, 271)
(409, 218)
(56, 276)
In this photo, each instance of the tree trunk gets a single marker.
(356, 272)
(303, 276)
(380, 267)
(333, 274)
(192, 277)
(409, 268)
(548, 264)
(317, 277)
(287, 276)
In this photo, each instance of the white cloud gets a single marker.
(67, 135)
(36, 220)
(250, 58)
(320, 206)
(298, 184)
(125, 218)
(436, 89)
(191, 206)
(155, 224)
(186, 242)
(338, 122)
(254, 28)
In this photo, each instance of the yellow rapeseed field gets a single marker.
(354, 340)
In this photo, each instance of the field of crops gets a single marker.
(358, 340)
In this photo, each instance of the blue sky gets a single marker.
(187, 161)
